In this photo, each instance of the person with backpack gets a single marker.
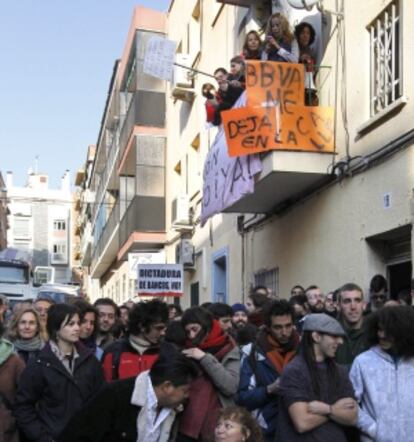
(137, 352)
(263, 362)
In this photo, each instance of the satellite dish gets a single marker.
(303, 4)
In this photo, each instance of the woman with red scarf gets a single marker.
(218, 359)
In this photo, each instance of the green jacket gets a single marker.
(354, 344)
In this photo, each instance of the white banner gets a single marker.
(144, 258)
(159, 58)
(160, 279)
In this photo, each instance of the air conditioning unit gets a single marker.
(182, 77)
(180, 212)
(183, 83)
(184, 253)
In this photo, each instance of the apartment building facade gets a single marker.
(127, 177)
(40, 222)
(313, 218)
(3, 213)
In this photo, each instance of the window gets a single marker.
(386, 83)
(59, 224)
(59, 253)
(268, 278)
(59, 248)
(21, 227)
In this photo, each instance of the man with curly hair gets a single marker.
(138, 351)
(383, 376)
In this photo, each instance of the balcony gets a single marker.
(86, 242)
(107, 175)
(147, 108)
(285, 177)
(299, 168)
(108, 243)
(143, 225)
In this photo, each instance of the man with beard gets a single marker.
(136, 353)
(316, 299)
(239, 318)
(242, 331)
(351, 316)
(317, 398)
(218, 360)
(263, 363)
(107, 316)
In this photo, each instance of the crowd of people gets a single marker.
(279, 44)
(308, 368)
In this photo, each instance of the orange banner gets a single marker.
(269, 81)
(252, 130)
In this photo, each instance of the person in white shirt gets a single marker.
(141, 409)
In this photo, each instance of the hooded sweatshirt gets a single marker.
(384, 389)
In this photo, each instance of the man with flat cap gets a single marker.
(316, 396)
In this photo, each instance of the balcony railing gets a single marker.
(112, 222)
(107, 172)
(144, 214)
(147, 108)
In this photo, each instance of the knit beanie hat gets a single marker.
(238, 307)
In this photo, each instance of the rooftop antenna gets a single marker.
(36, 165)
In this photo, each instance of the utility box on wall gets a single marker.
(184, 253)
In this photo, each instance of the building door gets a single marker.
(220, 290)
(399, 277)
(392, 249)
(195, 294)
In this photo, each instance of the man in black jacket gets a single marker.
(148, 402)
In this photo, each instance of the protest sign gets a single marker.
(159, 58)
(226, 179)
(160, 279)
(268, 82)
(251, 130)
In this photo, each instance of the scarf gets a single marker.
(215, 339)
(279, 355)
(6, 349)
(140, 344)
(200, 415)
(29, 344)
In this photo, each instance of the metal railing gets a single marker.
(107, 172)
(107, 231)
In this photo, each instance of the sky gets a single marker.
(57, 58)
